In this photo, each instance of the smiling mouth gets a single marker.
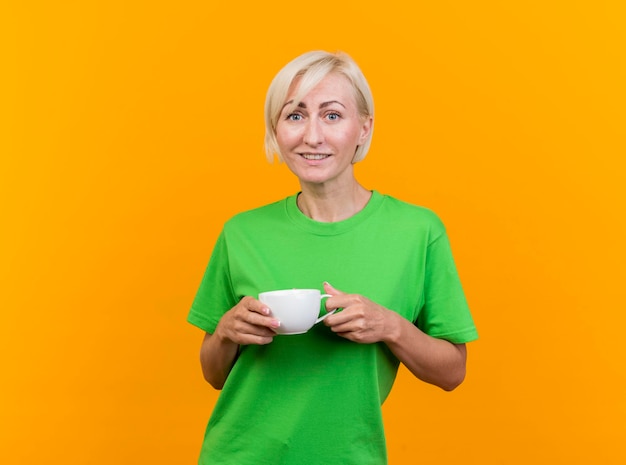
(314, 156)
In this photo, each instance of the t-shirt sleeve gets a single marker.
(215, 295)
(445, 313)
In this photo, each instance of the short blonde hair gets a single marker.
(312, 68)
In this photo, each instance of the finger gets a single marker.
(264, 321)
(254, 313)
(261, 340)
(244, 331)
(258, 331)
(258, 339)
(343, 328)
(255, 305)
(354, 337)
(329, 289)
(252, 318)
(338, 318)
(339, 298)
(354, 330)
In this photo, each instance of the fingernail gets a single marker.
(265, 311)
(275, 324)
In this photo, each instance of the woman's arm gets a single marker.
(435, 361)
(432, 360)
(248, 322)
(217, 357)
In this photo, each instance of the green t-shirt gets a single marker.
(315, 398)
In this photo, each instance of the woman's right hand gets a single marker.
(248, 322)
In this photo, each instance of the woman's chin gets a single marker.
(312, 175)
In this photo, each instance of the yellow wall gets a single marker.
(131, 130)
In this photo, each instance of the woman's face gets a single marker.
(318, 138)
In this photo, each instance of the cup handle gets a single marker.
(329, 313)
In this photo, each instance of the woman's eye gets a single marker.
(333, 116)
(294, 117)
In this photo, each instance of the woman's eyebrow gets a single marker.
(322, 105)
(325, 104)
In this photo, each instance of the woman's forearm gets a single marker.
(217, 356)
(435, 361)
(248, 322)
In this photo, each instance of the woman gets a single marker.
(316, 398)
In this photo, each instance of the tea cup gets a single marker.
(296, 309)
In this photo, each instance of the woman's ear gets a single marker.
(366, 128)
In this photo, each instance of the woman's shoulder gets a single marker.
(407, 211)
(252, 217)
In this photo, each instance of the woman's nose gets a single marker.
(313, 133)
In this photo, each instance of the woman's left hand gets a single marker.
(433, 360)
(361, 320)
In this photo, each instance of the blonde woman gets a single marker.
(316, 398)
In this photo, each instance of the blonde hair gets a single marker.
(311, 68)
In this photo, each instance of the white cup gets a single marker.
(296, 309)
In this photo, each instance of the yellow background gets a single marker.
(131, 130)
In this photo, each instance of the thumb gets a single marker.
(329, 289)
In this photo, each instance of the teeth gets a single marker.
(314, 156)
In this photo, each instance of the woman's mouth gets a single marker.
(314, 156)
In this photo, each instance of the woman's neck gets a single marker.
(335, 204)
